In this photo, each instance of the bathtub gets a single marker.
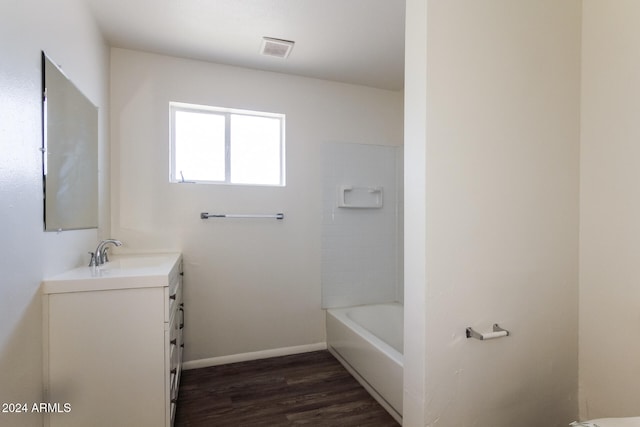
(368, 341)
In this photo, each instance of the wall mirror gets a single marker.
(69, 153)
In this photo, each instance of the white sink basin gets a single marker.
(123, 271)
(135, 262)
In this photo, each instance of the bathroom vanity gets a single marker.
(113, 343)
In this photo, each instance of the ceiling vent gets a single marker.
(276, 47)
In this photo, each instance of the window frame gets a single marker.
(226, 113)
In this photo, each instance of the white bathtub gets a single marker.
(368, 341)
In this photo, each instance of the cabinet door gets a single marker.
(107, 358)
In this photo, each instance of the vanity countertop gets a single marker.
(122, 272)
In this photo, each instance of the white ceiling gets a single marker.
(351, 41)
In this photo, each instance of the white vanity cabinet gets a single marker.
(113, 343)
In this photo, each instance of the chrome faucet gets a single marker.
(99, 257)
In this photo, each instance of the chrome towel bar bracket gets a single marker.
(498, 332)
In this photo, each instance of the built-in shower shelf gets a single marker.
(350, 196)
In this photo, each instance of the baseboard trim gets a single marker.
(254, 355)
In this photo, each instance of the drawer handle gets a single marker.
(173, 297)
(174, 371)
(174, 341)
(182, 310)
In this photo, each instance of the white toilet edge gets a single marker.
(617, 422)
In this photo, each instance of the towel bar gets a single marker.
(205, 215)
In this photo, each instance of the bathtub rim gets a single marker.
(340, 313)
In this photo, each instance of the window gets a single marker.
(228, 146)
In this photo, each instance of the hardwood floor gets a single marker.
(310, 389)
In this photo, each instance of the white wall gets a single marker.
(250, 285)
(610, 210)
(67, 33)
(497, 146)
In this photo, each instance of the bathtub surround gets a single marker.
(361, 230)
(361, 234)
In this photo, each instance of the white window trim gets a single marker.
(226, 112)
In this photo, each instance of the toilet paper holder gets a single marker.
(498, 332)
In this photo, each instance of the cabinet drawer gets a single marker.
(176, 326)
(174, 291)
(175, 351)
(175, 300)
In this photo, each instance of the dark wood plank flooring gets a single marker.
(310, 389)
